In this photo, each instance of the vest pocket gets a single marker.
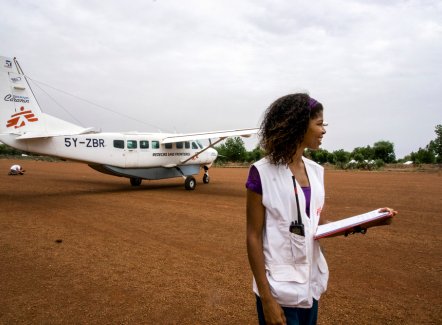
(299, 249)
(322, 264)
(322, 275)
(289, 273)
(289, 284)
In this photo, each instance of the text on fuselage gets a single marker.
(88, 143)
(168, 154)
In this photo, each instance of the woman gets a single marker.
(285, 196)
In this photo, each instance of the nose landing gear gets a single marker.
(206, 177)
(190, 182)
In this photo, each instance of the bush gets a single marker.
(9, 151)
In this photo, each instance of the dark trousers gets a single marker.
(294, 316)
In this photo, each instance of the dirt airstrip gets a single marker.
(80, 247)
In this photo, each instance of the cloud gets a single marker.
(198, 65)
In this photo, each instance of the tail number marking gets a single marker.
(87, 143)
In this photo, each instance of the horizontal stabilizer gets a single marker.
(53, 127)
(210, 135)
(34, 135)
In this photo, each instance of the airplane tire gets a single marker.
(135, 181)
(190, 183)
(206, 179)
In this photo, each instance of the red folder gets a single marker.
(353, 224)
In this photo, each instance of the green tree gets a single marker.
(436, 144)
(232, 150)
(423, 156)
(341, 157)
(384, 150)
(359, 157)
(432, 153)
(367, 153)
(255, 155)
(331, 158)
(379, 163)
(321, 156)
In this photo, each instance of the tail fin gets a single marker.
(20, 113)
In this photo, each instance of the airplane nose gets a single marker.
(213, 153)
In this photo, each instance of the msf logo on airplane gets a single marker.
(21, 118)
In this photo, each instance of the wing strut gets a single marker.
(197, 153)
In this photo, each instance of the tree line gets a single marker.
(368, 157)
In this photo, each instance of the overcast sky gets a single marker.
(188, 66)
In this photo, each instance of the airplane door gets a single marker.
(131, 153)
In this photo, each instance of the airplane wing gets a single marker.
(209, 135)
(221, 135)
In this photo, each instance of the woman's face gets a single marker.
(315, 132)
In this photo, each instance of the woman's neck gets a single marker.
(297, 168)
(297, 157)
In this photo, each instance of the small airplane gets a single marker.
(133, 155)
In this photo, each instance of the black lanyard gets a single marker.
(297, 227)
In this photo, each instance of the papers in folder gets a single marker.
(348, 225)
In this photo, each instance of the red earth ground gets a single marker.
(80, 247)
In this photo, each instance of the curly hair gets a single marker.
(284, 125)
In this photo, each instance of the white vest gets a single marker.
(295, 266)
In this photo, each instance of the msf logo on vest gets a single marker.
(21, 118)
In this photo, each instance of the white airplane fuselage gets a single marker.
(124, 150)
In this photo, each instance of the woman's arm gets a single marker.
(273, 312)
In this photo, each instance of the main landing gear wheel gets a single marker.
(135, 181)
(190, 183)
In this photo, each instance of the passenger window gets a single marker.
(168, 145)
(144, 144)
(155, 144)
(194, 146)
(179, 145)
(131, 144)
(119, 144)
(187, 144)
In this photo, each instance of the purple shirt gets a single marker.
(254, 184)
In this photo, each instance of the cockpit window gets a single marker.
(194, 145)
(199, 144)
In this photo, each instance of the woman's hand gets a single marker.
(273, 313)
(392, 213)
